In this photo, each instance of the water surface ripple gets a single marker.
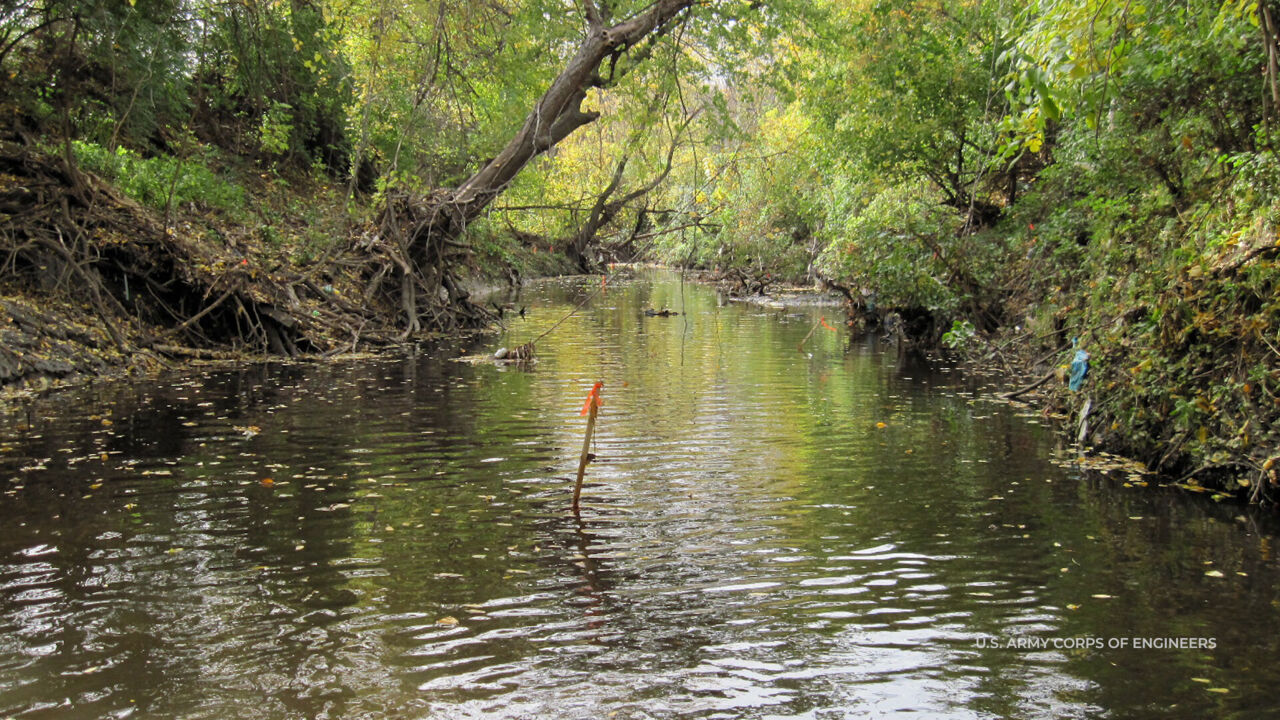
(770, 531)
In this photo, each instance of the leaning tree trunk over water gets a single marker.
(420, 234)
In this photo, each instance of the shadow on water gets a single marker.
(828, 532)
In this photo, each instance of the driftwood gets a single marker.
(1014, 394)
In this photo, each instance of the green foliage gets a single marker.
(117, 70)
(902, 245)
(764, 198)
(148, 180)
(909, 91)
(278, 69)
(962, 333)
(275, 129)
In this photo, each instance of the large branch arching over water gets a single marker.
(421, 230)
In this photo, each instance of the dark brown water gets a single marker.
(768, 533)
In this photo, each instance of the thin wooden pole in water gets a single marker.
(822, 321)
(572, 312)
(591, 409)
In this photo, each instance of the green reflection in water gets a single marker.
(832, 531)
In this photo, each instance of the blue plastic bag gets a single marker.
(1079, 370)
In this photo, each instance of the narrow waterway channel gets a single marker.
(768, 532)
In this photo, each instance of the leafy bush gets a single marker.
(900, 246)
(149, 180)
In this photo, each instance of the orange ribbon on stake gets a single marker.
(823, 320)
(589, 409)
(593, 397)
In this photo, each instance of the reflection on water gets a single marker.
(768, 532)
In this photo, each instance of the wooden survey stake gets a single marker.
(591, 408)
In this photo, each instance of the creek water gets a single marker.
(768, 531)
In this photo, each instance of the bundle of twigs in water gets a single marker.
(516, 354)
(526, 351)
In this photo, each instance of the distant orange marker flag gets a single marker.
(593, 397)
(823, 320)
(604, 282)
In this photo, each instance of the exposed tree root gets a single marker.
(128, 290)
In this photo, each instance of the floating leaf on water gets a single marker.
(1214, 573)
(881, 426)
(1073, 607)
(448, 621)
(1219, 690)
(1206, 681)
(1102, 596)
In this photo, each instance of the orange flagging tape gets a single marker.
(593, 397)
(823, 320)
